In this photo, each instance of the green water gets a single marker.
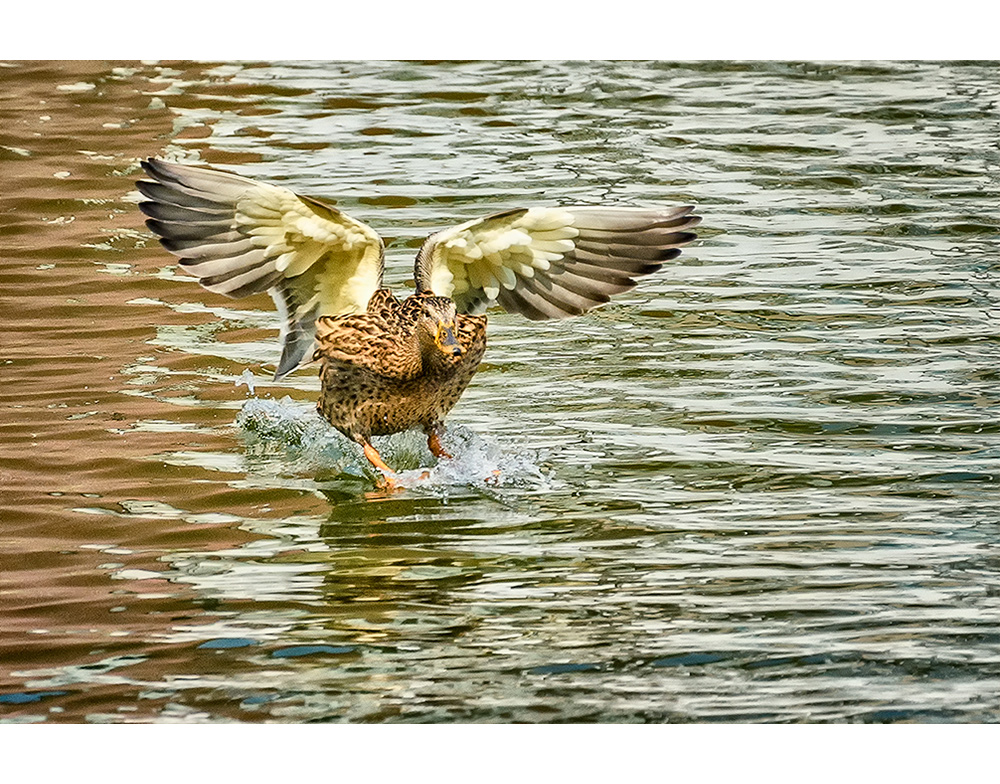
(763, 486)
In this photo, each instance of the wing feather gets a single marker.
(171, 213)
(527, 302)
(240, 237)
(551, 263)
(210, 247)
(223, 268)
(214, 232)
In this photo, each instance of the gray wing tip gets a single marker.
(161, 169)
(297, 345)
(149, 166)
(147, 189)
(158, 169)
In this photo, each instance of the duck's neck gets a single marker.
(411, 357)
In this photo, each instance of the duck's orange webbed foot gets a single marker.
(386, 483)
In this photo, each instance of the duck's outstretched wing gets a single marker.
(240, 237)
(551, 263)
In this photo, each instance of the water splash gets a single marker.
(288, 437)
(247, 380)
(476, 461)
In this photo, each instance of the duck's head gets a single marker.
(437, 330)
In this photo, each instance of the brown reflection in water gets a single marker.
(72, 434)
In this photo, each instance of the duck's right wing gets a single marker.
(550, 263)
(240, 237)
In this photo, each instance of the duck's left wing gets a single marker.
(550, 263)
(239, 237)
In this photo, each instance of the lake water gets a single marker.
(763, 486)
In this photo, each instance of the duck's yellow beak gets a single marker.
(446, 340)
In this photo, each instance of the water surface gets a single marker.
(763, 486)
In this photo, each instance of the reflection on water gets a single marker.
(761, 487)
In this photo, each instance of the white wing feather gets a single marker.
(550, 262)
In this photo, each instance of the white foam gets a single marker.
(247, 379)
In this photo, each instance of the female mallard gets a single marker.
(388, 366)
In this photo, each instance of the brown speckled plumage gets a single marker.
(379, 378)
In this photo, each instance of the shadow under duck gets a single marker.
(389, 365)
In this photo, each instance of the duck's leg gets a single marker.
(434, 441)
(387, 482)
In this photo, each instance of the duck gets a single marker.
(389, 364)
